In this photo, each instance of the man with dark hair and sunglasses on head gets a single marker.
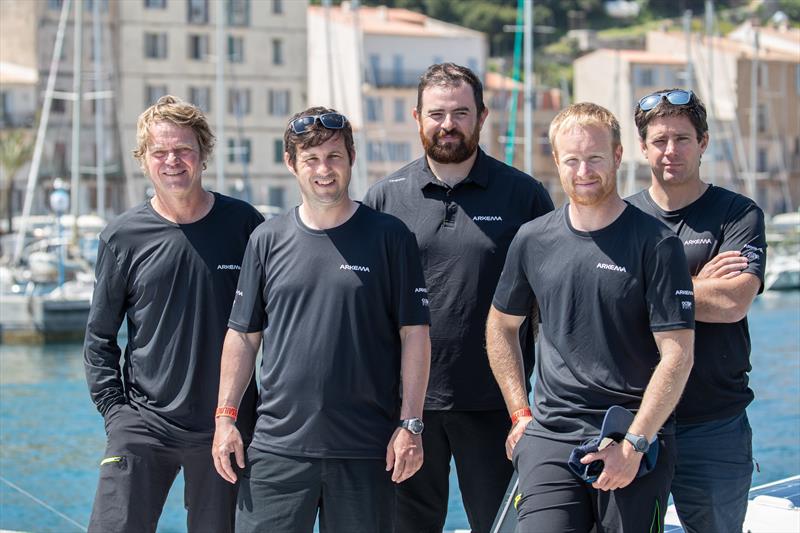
(169, 268)
(723, 237)
(336, 292)
(464, 208)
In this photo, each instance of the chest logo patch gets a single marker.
(487, 218)
(697, 242)
(608, 266)
(229, 267)
(357, 268)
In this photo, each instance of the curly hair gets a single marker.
(179, 112)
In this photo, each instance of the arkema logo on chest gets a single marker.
(608, 266)
(357, 268)
(697, 242)
(229, 267)
(487, 218)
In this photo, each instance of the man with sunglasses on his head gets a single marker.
(723, 237)
(464, 208)
(336, 292)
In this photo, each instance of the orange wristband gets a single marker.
(228, 411)
(525, 411)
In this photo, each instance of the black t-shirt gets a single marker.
(463, 235)
(601, 296)
(718, 221)
(174, 283)
(330, 304)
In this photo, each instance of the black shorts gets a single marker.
(283, 494)
(552, 498)
(137, 471)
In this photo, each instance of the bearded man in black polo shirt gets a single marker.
(464, 208)
(616, 330)
(723, 237)
(169, 267)
(336, 292)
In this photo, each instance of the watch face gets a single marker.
(414, 425)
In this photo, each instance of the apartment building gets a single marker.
(366, 63)
(170, 47)
(149, 48)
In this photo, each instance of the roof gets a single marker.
(639, 56)
(732, 46)
(392, 21)
(497, 82)
(14, 74)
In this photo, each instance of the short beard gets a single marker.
(451, 153)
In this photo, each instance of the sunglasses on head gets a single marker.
(677, 97)
(331, 121)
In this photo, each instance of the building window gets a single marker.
(374, 73)
(277, 52)
(201, 97)
(277, 144)
(397, 69)
(278, 104)
(238, 12)
(198, 12)
(239, 102)
(645, 77)
(155, 45)
(399, 110)
(761, 118)
(388, 151)
(58, 105)
(239, 151)
(152, 93)
(155, 4)
(374, 109)
(761, 164)
(276, 197)
(277, 9)
(198, 47)
(235, 49)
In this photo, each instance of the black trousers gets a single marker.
(284, 494)
(476, 440)
(137, 471)
(551, 498)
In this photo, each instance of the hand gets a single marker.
(517, 430)
(404, 454)
(621, 465)
(724, 266)
(227, 441)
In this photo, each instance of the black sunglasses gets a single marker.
(331, 121)
(677, 97)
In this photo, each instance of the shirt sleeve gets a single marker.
(514, 294)
(745, 233)
(669, 293)
(542, 203)
(101, 353)
(373, 199)
(248, 314)
(408, 282)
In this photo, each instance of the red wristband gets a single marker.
(228, 411)
(525, 411)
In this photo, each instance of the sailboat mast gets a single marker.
(222, 146)
(99, 111)
(528, 86)
(77, 90)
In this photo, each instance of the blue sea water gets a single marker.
(51, 437)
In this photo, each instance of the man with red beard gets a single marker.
(617, 324)
(464, 208)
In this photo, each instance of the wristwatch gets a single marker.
(639, 442)
(414, 425)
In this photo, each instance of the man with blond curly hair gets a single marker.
(169, 268)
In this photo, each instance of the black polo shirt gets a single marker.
(463, 234)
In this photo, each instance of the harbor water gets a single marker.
(51, 436)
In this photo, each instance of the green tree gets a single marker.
(15, 150)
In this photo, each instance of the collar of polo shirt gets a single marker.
(478, 174)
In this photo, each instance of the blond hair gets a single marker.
(172, 109)
(585, 114)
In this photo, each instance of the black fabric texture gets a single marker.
(174, 285)
(601, 295)
(718, 221)
(330, 305)
(463, 234)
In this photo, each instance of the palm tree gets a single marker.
(15, 150)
